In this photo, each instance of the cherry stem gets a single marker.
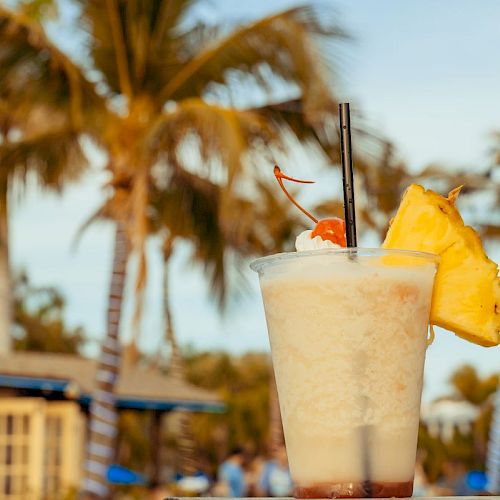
(279, 177)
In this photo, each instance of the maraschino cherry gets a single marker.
(332, 229)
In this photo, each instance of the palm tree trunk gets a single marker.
(103, 416)
(5, 283)
(185, 440)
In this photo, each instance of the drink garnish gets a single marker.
(329, 229)
(466, 298)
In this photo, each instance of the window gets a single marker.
(40, 448)
(53, 452)
(64, 434)
(20, 444)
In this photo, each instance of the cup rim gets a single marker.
(262, 262)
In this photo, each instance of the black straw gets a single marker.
(347, 176)
(351, 241)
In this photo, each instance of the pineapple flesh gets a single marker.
(466, 297)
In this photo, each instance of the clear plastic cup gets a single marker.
(348, 333)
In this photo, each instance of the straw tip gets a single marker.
(344, 109)
(344, 115)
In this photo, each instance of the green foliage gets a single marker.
(39, 10)
(481, 431)
(461, 448)
(134, 445)
(437, 452)
(36, 73)
(39, 320)
(173, 81)
(478, 391)
(141, 48)
(243, 383)
(471, 387)
(434, 453)
(46, 103)
(52, 158)
(469, 448)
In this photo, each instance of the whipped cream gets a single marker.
(305, 242)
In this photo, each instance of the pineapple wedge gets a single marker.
(466, 297)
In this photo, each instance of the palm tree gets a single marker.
(45, 106)
(274, 223)
(188, 209)
(164, 87)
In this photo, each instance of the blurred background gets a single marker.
(137, 140)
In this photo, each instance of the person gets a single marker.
(231, 475)
(253, 472)
(454, 480)
(276, 480)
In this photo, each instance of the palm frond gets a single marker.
(106, 212)
(291, 113)
(229, 135)
(35, 71)
(39, 10)
(472, 181)
(119, 47)
(491, 231)
(223, 137)
(224, 133)
(53, 158)
(189, 209)
(285, 45)
(133, 42)
(330, 208)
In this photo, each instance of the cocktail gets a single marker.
(348, 331)
(349, 393)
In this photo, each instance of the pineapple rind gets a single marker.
(466, 298)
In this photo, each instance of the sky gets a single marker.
(422, 73)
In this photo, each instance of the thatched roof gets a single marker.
(137, 387)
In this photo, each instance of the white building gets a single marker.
(443, 416)
(44, 401)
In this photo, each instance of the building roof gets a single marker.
(445, 415)
(140, 388)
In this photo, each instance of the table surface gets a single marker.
(287, 498)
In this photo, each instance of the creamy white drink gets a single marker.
(348, 333)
